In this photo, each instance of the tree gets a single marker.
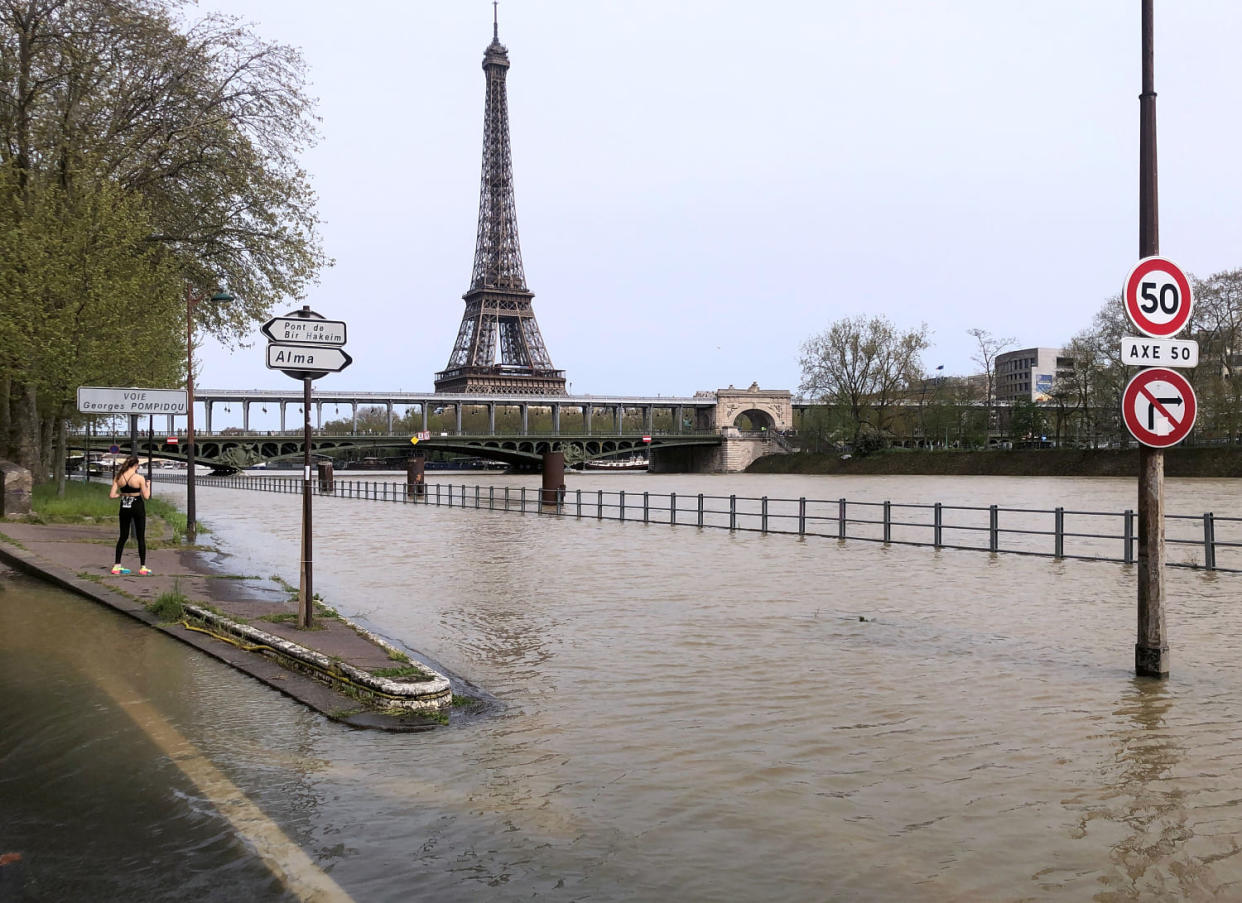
(865, 365)
(136, 156)
(1217, 324)
(989, 346)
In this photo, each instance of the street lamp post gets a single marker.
(191, 530)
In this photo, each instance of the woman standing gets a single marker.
(131, 488)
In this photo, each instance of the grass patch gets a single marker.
(403, 673)
(398, 656)
(280, 617)
(90, 502)
(13, 542)
(170, 606)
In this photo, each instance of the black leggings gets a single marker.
(136, 514)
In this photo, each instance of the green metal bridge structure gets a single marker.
(239, 450)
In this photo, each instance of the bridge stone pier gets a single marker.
(752, 423)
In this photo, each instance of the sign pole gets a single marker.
(150, 443)
(305, 346)
(306, 592)
(1151, 651)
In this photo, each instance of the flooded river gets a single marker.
(677, 713)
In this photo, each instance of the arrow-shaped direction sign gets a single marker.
(304, 359)
(305, 331)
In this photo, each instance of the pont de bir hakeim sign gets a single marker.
(305, 331)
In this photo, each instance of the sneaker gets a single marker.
(117, 569)
(144, 571)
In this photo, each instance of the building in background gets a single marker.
(1029, 374)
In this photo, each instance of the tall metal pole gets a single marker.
(1151, 651)
(306, 591)
(191, 532)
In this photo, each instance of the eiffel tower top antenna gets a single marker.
(495, 25)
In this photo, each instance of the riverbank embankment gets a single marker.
(1045, 462)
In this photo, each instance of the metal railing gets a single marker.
(1192, 541)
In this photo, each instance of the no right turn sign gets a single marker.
(1159, 407)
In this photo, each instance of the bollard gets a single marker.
(414, 475)
(553, 479)
(1209, 541)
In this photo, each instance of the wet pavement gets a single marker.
(246, 620)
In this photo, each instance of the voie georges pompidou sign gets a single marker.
(130, 400)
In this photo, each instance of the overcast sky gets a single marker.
(701, 186)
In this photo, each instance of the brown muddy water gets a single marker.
(675, 712)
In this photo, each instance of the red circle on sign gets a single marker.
(1159, 407)
(1134, 297)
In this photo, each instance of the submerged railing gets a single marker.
(1192, 541)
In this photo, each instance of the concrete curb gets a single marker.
(335, 689)
(431, 695)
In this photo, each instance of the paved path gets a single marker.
(329, 667)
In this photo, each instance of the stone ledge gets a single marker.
(433, 695)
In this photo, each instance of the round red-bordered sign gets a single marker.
(1157, 297)
(1159, 407)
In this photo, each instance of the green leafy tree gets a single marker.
(138, 154)
(865, 365)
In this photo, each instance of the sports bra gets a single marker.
(125, 487)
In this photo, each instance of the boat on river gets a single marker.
(634, 462)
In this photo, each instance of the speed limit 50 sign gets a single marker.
(1157, 297)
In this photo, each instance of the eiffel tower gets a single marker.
(498, 304)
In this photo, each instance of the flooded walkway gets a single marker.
(699, 715)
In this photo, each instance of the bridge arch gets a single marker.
(754, 409)
(754, 419)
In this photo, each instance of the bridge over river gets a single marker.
(717, 431)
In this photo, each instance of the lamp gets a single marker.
(220, 297)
